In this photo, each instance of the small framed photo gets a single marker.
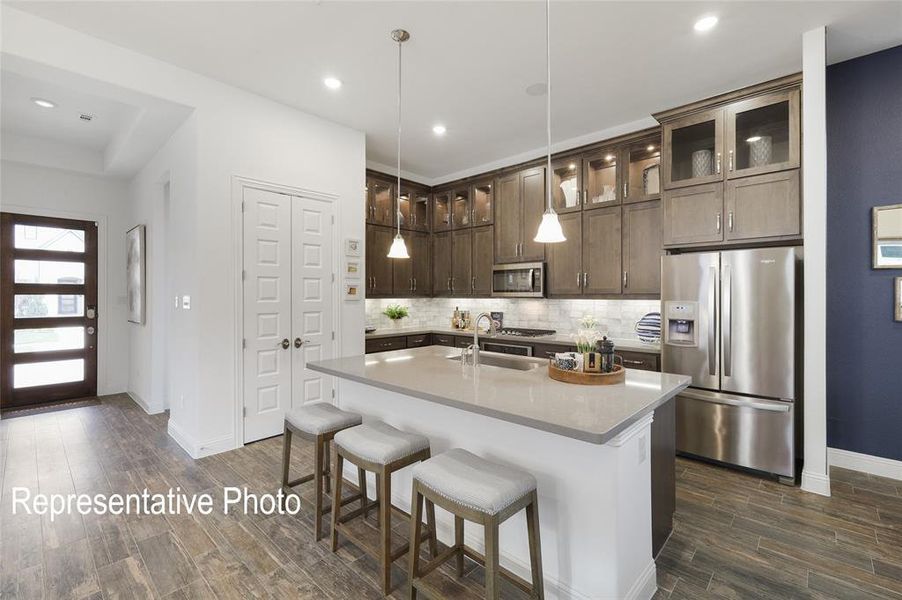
(352, 268)
(898, 304)
(352, 247)
(353, 290)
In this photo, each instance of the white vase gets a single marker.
(702, 163)
(395, 323)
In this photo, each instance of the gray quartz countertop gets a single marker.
(594, 414)
(633, 345)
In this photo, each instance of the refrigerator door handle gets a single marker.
(712, 323)
(727, 323)
(756, 403)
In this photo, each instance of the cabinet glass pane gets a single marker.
(461, 208)
(49, 339)
(404, 208)
(47, 373)
(32, 237)
(692, 151)
(601, 179)
(49, 271)
(482, 204)
(419, 216)
(383, 203)
(644, 176)
(565, 185)
(441, 215)
(762, 136)
(30, 306)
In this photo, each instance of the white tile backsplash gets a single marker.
(617, 317)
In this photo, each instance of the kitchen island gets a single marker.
(588, 447)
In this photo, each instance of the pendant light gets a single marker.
(398, 247)
(550, 231)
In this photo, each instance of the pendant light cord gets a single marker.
(548, 174)
(399, 136)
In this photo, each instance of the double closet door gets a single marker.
(288, 306)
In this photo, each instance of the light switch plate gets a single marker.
(186, 302)
(177, 301)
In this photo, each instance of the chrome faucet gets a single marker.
(493, 329)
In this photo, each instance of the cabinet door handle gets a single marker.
(578, 279)
(730, 219)
(717, 164)
(449, 284)
(731, 161)
(579, 199)
(626, 190)
(414, 284)
(585, 279)
(627, 361)
(626, 279)
(452, 284)
(717, 222)
(473, 284)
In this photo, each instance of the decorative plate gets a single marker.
(649, 327)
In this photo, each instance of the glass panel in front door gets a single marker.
(48, 339)
(762, 136)
(49, 271)
(36, 237)
(30, 306)
(48, 373)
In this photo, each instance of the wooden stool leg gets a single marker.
(430, 523)
(416, 516)
(385, 531)
(492, 566)
(378, 499)
(459, 543)
(361, 485)
(336, 498)
(327, 471)
(535, 548)
(286, 460)
(318, 484)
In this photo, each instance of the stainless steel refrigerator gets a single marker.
(731, 320)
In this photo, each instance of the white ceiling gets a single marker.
(468, 63)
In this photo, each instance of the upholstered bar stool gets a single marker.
(317, 422)
(476, 490)
(382, 449)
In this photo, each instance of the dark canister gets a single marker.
(606, 349)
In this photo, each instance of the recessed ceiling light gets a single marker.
(753, 139)
(439, 129)
(332, 83)
(706, 23)
(650, 147)
(44, 103)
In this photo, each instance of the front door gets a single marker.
(48, 338)
(288, 299)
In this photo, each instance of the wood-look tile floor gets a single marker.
(736, 536)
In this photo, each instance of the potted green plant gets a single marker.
(396, 312)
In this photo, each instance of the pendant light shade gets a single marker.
(550, 231)
(398, 247)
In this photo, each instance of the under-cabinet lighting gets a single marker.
(753, 139)
(706, 23)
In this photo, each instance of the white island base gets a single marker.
(594, 499)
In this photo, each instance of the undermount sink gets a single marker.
(517, 363)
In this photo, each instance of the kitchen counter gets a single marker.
(633, 345)
(594, 414)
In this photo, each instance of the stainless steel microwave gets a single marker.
(519, 280)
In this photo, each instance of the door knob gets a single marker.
(285, 344)
(298, 342)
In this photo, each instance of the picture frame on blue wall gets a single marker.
(898, 301)
(887, 232)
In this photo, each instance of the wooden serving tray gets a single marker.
(618, 375)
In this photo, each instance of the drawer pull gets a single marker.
(627, 361)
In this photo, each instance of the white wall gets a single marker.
(43, 191)
(231, 133)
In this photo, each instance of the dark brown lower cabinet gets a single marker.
(379, 272)
(565, 259)
(386, 344)
(441, 264)
(461, 262)
(642, 249)
(442, 339)
(602, 250)
(483, 248)
(422, 339)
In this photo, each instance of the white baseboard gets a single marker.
(874, 465)
(646, 586)
(816, 483)
(198, 449)
(149, 408)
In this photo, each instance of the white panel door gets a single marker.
(267, 312)
(311, 298)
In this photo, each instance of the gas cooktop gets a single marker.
(523, 332)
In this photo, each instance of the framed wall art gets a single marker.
(135, 273)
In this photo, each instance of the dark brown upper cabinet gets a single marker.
(602, 251)
(441, 264)
(482, 196)
(642, 249)
(693, 215)
(441, 210)
(462, 262)
(566, 185)
(379, 271)
(532, 197)
(483, 247)
(601, 179)
(763, 134)
(642, 170)
(412, 276)
(461, 210)
(380, 202)
(693, 149)
(414, 208)
(565, 259)
(520, 202)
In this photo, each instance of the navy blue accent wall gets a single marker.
(864, 169)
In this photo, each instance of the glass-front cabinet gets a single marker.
(763, 134)
(694, 149)
(566, 187)
(380, 204)
(462, 213)
(483, 198)
(642, 170)
(600, 179)
(414, 209)
(441, 210)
